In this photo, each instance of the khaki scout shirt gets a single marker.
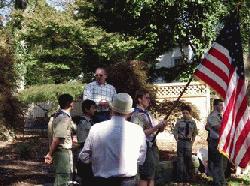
(144, 121)
(62, 127)
(214, 120)
(180, 129)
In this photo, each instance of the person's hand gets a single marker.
(74, 139)
(48, 159)
(162, 124)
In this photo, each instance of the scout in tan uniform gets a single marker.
(142, 117)
(60, 153)
(185, 131)
(216, 161)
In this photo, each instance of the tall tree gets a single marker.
(60, 45)
(162, 25)
(10, 112)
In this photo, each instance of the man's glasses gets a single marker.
(98, 75)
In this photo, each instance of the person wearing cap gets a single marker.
(115, 147)
(101, 93)
(143, 118)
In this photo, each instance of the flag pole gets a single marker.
(176, 102)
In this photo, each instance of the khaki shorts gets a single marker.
(148, 169)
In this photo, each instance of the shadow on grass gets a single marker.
(242, 181)
(22, 161)
(11, 177)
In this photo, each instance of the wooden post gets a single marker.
(176, 103)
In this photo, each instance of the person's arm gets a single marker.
(175, 131)
(53, 147)
(141, 120)
(195, 132)
(87, 92)
(73, 127)
(164, 124)
(59, 134)
(143, 150)
(80, 131)
(213, 123)
(85, 154)
(154, 129)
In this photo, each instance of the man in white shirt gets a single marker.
(115, 147)
(101, 93)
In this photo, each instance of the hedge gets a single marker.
(49, 92)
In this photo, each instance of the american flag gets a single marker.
(223, 70)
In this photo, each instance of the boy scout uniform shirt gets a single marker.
(214, 120)
(62, 126)
(83, 129)
(185, 129)
(144, 121)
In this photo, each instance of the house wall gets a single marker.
(167, 60)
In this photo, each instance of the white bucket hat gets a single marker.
(122, 103)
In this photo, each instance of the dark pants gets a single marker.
(84, 171)
(101, 116)
(115, 181)
(184, 160)
(217, 163)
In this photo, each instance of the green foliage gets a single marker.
(49, 92)
(10, 112)
(162, 25)
(129, 77)
(57, 46)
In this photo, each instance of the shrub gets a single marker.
(49, 92)
(10, 112)
(129, 77)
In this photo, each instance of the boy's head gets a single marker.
(142, 98)
(218, 105)
(186, 111)
(89, 107)
(65, 101)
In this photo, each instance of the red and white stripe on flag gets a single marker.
(217, 71)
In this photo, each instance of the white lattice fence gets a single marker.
(197, 93)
